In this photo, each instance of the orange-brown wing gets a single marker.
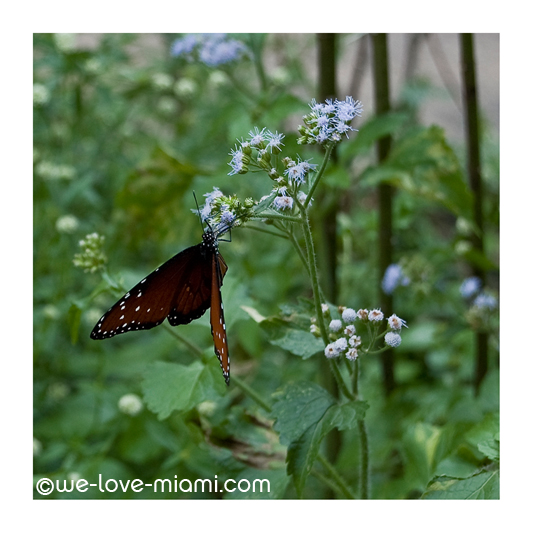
(218, 324)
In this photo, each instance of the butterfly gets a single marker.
(181, 290)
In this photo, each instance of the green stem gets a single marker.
(313, 271)
(270, 232)
(329, 149)
(339, 379)
(345, 489)
(298, 250)
(192, 347)
(364, 485)
(251, 393)
(363, 478)
(274, 216)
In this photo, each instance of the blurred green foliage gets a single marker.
(123, 134)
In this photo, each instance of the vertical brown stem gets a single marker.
(327, 229)
(475, 181)
(385, 193)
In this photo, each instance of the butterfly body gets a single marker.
(181, 290)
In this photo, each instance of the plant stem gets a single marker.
(340, 381)
(192, 347)
(274, 216)
(313, 272)
(364, 466)
(385, 193)
(329, 149)
(364, 490)
(251, 393)
(476, 184)
(335, 475)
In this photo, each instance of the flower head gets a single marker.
(470, 287)
(349, 330)
(396, 322)
(352, 354)
(354, 341)
(238, 162)
(376, 315)
(212, 49)
(274, 142)
(335, 325)
(296, 173)
(393, 277)
(393, 339)
(130, 404)
(349, 315)
(362, 314)
(341, 344)
(331, 351)
(283, 202)
(329, 121)
(485, 300)
(92, 258)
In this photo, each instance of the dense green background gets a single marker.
(122, 136)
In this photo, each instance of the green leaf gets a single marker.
(490, 448)
(170, 386)
(298, 407)
(373, 130)
(487, 430)
(420, 447)
(298, 342)
(422, 163)
(305, 413)
(483, 486)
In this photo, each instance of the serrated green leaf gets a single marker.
(483, 486)
(305, 413)
(171, 387)
(299, 406)
(491, 448)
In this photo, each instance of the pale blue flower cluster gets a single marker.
(221, 213)
(329, 121)
(212, 49)
(393, 278)
(470, 287)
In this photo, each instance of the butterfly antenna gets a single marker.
(198, 210)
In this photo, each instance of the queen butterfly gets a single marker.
(182, 289)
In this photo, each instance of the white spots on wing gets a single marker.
(121, 317)
(138, 295)
(137, 308)
(143, 280)
(126, 296)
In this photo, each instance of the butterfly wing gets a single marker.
(218, 324)
(147, 304)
